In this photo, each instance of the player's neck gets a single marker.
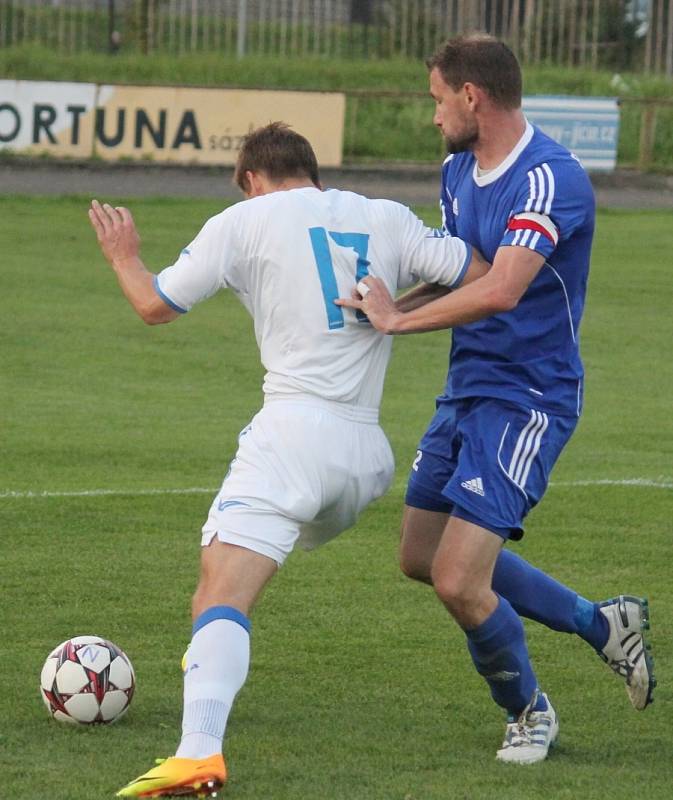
(498, 136)
(292, 183)
(261, 184)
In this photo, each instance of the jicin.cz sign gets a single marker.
(587, 126)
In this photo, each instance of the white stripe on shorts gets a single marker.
(519, 444)
(529, 450)
(535, 450)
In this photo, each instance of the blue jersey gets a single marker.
(541, 198)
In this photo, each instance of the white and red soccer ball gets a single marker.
(87, 680)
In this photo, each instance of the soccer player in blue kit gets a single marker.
(513, 394)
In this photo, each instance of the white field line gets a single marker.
(106, 493)
(659, 483)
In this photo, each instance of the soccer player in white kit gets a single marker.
(314, 456)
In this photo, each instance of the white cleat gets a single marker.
(627, 652)
(528, 738)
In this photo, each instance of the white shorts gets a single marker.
(304, 470)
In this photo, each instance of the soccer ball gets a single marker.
(87, 680)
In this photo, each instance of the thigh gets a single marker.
(506, 456)
(356, 465)
(262, 495)
(300, 470)
(435, 460)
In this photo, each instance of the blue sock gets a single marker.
(592, 626)
(499, 652)
(533, 594)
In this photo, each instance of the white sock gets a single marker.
(217, 666)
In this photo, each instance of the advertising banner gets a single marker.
(45, 117)
(205, 126)
(587, 126)
(164, 124)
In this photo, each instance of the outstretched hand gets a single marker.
(116, 232)
(373, 298)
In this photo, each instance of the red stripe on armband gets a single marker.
(529, 225)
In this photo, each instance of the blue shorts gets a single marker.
(487, 461)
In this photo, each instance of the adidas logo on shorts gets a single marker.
(474, 485)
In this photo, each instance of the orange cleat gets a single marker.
(180, 777)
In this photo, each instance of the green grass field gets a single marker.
(360, 686)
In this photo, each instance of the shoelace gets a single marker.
(523, 730)
(518, 734)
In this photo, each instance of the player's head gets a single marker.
(275, 154)
(468, 75)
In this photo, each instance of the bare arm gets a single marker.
(420, 295)
(120, 244)
(498, 290)
(427, 292)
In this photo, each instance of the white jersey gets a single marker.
(288, 255)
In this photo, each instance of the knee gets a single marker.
(455, 591)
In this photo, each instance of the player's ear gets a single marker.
(475, 97)
(255, 183)
(471, 95)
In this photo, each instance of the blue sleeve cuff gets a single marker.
(466, 264)
(543, 246)
(166, 298)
